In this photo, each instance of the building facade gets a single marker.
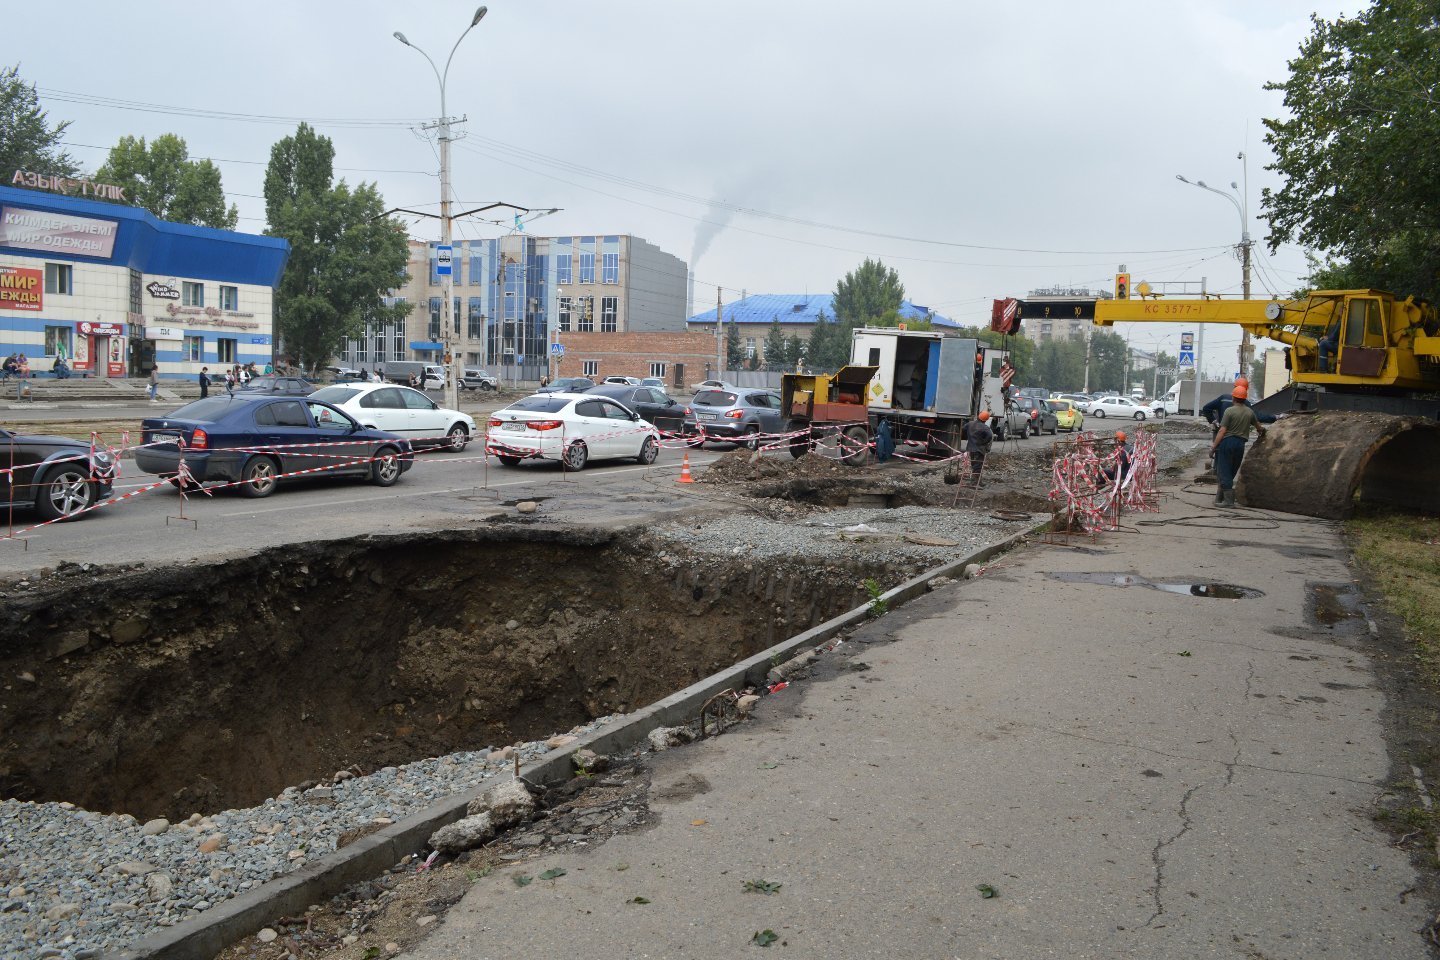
(512, 295)
(680, 359)
(116, 292)
(797, 313)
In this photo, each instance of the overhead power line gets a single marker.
(115, 103)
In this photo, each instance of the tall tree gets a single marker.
(344, 252)
(825, 351)
(794, 350)
(28, 141)
(1021, 350)
(163, 179)
(864, 295)
(734, 350)
(1357, 149)
(774, 348)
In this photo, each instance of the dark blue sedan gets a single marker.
(256, 439)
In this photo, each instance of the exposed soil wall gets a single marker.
(168, 691)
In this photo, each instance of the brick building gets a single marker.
(680, 359)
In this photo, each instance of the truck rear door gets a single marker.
(953, 377)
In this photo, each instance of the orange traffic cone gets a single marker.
(685, 470)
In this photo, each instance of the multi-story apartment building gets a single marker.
(512, 294)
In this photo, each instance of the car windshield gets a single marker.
(715, 398)
(540, 404)
(335, 395)
(210, 408)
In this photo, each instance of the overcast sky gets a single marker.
(982, 150)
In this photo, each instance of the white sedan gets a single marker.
(403, 411)
(1117, 407)
(580, 426)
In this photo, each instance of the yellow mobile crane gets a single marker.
(1365, 367)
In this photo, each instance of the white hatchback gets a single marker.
(580, 426)
(403, 411)
(1117, 407)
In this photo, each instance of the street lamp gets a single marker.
(452, 391)
(1240, 200)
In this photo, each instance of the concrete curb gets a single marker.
(206, 935)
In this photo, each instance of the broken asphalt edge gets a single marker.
(205, 936)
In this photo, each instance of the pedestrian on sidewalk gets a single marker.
(1229, 446)
(154, 385)
(230, 382)
(204, 382)
(978, 439)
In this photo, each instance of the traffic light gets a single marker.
(1122, 286)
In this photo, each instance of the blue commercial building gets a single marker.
(797, 313)
(116, 292)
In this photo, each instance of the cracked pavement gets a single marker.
(1138, 773)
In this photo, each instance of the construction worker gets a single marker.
(1229, 446)
(978, 438)
(1121, 470)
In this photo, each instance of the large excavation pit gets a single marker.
(201, 688)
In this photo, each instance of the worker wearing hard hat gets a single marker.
(1229, 446)
(978, 438)
(1121, 470)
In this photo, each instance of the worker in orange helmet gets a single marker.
(978, 439)
(1121, 470)
(1229, 446)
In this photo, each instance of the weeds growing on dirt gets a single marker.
(1401, 554)
(878, 607)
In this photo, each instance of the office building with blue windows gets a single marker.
(116, 292)
(514, 294)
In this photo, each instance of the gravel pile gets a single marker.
(75, 884)
(880, 537)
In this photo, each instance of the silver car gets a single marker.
(735, 415)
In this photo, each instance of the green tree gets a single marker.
(774, 346)
(162, 178)
(1355, 152)
(864, 295)
(1021, 349)
(1257, 371)
(734, 350)
(821, 346)
(344, 252)
(27, 139)
(1107, 362)
(794, 350)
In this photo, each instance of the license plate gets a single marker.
(705, 416)
(513, 427)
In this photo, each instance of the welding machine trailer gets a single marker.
(925, 383)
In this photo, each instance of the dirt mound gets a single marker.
(745, 466)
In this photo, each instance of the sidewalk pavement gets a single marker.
(1137, 773)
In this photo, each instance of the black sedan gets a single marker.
(651, 403)
(255, 439)
(57, 476)
(284, 386)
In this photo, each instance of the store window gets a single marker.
(226, 350)
(192, 294)
(590, 368)
(609, 310)
(230, 298)
(610, 268)
(58, 342)
(195, 348)
(657, 370)
(59, 278)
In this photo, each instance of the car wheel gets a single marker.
(649, 451)
(385, 468)
(1055, 430)
(64, 495)
(752, 439)
(508, 460)
(1139, 414)
(458, 437)
(258, 479)
(576, 456)
(1098, 413)
(857, 446)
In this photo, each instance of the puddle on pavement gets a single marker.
(1329, 604)
(1217, 591)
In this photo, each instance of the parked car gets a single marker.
(658, 382)
(427, 376)
(734, 415)
(272, 383)
(403, 411)
(1068, 416)
(1117, 407)
(343, 373)
(57, 476)
(1041, 418)
(577, 426)
(567, 385)
(1011, 422)
(473, 379)
(652, 403)
(228, 438)
(713, 385)
(628, 381)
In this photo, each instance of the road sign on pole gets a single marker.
(1187, 359)
(444, 254)
(557, 349)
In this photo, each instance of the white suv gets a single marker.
(472, 379)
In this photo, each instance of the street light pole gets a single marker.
(1242, 207)
(447, 318)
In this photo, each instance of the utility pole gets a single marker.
(721, 347)
(1086, 388)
